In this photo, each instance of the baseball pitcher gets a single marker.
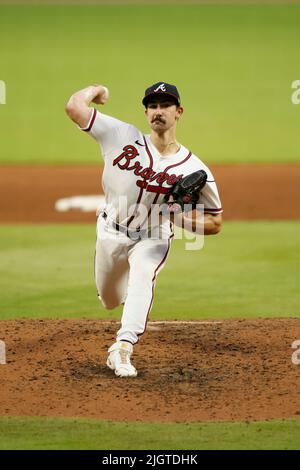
(151, 182)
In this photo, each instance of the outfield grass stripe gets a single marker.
(51, 433)
(250, 269)
(241, 62)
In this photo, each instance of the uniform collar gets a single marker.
(182, 150)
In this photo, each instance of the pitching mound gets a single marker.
(233, 370)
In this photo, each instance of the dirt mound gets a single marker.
(233, 370)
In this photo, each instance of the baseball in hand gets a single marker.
(105, 95)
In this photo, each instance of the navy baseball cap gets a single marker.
(161, 88)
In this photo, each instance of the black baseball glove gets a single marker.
(184, 195)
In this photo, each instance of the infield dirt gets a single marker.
(248, 192)
(232, 370)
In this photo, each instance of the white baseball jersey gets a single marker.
(136, 175)
(135, 179)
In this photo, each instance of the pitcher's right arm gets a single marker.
(78, 107)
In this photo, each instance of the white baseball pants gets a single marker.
(126, 272)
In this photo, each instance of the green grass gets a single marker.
(250, 269)
(45, 433)
(234, 65)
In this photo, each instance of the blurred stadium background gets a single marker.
(234, 65)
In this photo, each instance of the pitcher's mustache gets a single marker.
(158, 119)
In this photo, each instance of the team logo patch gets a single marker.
(160, 87)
